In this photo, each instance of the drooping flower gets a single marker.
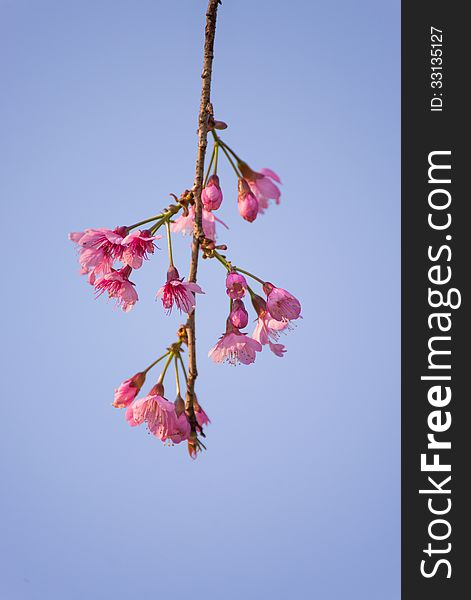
(247, 202)
(137, 247)
(109, 241)
(201, 417)
(211, 196)
(281, 304)
(184, 225)
(267, 329)
(128, 390)
(179, 293)
(239, 316)
(119, 287)
(261, 185)
(97, 249)
(236, 284)
(234, 347)
(161, 418)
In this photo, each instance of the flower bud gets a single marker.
(239, 316)
(211, 196)
(157, 390)
(179, 406)
(247, 202)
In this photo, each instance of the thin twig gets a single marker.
(205, 113)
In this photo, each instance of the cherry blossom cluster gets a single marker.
(107, 258)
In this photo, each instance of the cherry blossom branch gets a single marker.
(205, 113)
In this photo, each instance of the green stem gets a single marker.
(216, 156)
(169, 243)
(249, 274)
(230, 160)
(209, 166)
(222, 260)
(149, 220)
(155, 362)
(167, 362)
(177, 377)
(230, 150)
(217, 140)
(183, 366)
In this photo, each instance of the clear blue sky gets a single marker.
(298, 494)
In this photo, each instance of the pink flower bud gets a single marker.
(179, 406)
(247, 202)
(128, 390)
(239, 316)
(236, 285)
(211, 196)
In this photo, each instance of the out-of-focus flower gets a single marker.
(128, 390)
(119, 287)
(234, 347)
(247, 202)
(179, 293)
(211, 196)
(137, 246)
(281, 304)
(184, 225)
(236, 284)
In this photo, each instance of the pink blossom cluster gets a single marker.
(99, 250)
(108, 257)
(274, 315)
(165, 420)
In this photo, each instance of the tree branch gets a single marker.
(205, 113)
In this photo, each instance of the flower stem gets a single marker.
(177, 377)
(149, 220)
(183, 366)
(167, 362)
(249, 274)
(230, 267)
(228, 156)
(230, 150)
(216, 156)
(169, 243)
(155, 362)
(222, 260)
(209, 166)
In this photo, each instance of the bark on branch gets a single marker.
(205, 112)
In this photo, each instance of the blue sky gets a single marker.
(298, 493)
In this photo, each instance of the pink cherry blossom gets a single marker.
(234, 346)
(211, 196)
(94, 261)
(247, 202)
(184, 225)
(236, 284)
(107, 240)
(137, 246)
(264, 189)
(239, 316)
(119, 287)
(128, 390)
(201, 417)
(267, 331)
(282, 305)
(161, 418)
(178, 293)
